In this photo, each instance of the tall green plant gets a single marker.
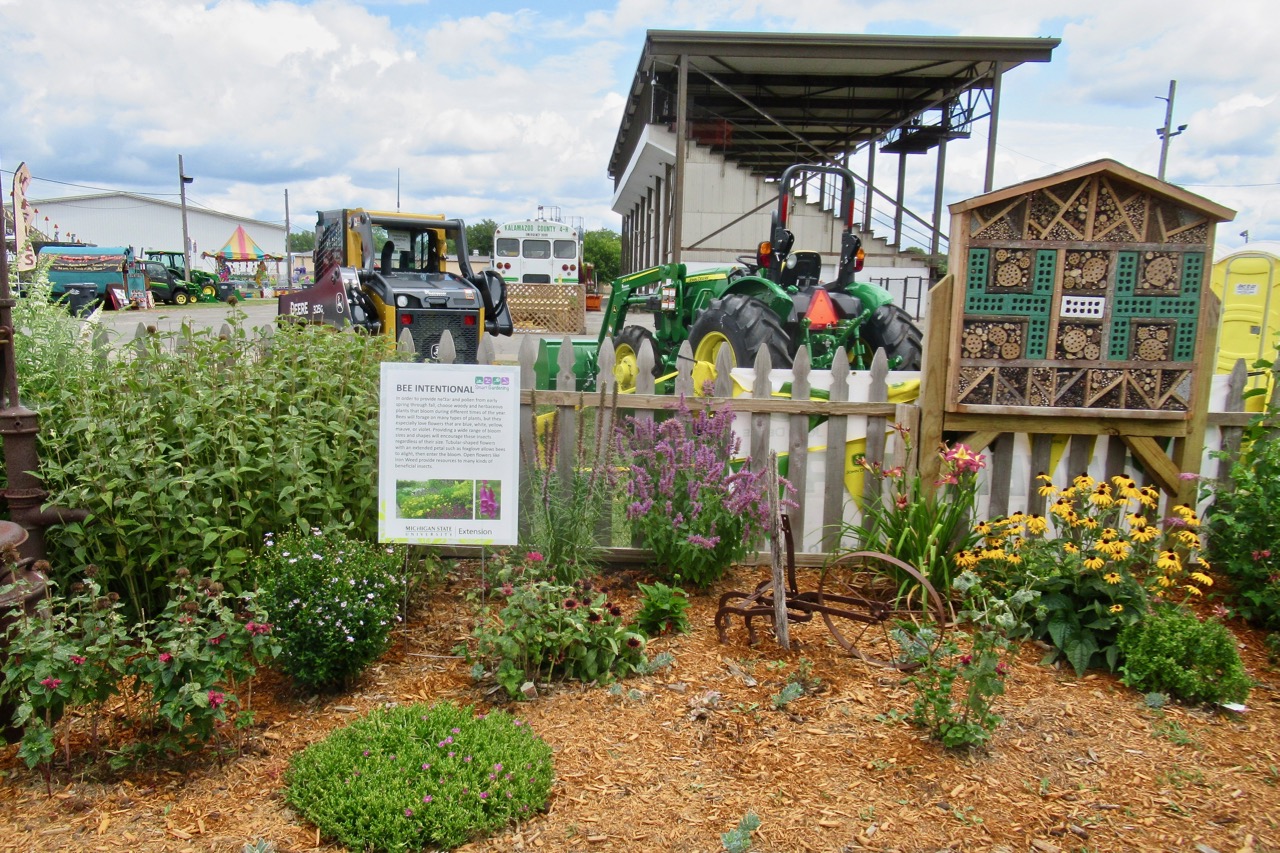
(1244, 539)
(565, 514)
(923, 527)
(188, 447)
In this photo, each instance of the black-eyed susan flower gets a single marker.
(1094, 563)
(965, 560)
(1202, 579)
(1193, 590)
(1168, 561)
(1116, 608)
(1037, 524)
(1112, 578)
(1102, 497)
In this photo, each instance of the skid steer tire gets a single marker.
(891, 329)
(626, 348)
(744, 325)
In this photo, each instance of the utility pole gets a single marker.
(288, 250)
(183, 180)
(1167, 132)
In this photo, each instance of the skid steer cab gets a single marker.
(387, 273)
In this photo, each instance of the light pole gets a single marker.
(1166, 133)
(183, 180)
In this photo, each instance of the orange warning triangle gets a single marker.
(821, 312)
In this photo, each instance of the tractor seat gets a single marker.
(802, 270)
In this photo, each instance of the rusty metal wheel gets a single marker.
(866, 595)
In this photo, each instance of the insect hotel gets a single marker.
(1078, 304)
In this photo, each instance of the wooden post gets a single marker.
(798, 445)
(781, 629)
(833, 474)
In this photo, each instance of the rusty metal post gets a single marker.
(18, 428)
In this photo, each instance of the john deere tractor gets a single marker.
(776, 300)
(403, 285)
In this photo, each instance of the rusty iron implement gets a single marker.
(862, 598)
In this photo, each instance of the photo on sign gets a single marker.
(436, 499)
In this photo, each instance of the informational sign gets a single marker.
(448, 454)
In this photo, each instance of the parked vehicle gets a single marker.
(83, 275)
(411, 288)
(776, 300)
(165, 286)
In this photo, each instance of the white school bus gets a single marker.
(538, 251)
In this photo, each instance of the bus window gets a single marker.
(567, 249)
(507, 247)
(537, 249)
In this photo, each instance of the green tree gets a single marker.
(602, 248)
(480, 236)
(302, 241)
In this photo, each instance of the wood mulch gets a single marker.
(663, 765)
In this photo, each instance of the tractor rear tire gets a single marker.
(626, 348)
(892, 330)
(744, 324)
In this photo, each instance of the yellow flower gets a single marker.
(966, 560)
(1202, 579)
(1070, 548)
(1102, 496)
(992, 554)
(1014, 559)
(983, 528)
(1093, 563)
(1125, 486)
(1189, 538)
(1084, 483)
(1168, 561)
(1193, 590)
(1112, 577)
(1144, 534)
(1109, 534)
(1201, 563)
(1062, 508)
(1044, 478)
(1116, 608)
(1149, 496)
(1037, 524)
(1166, 582)
(1046, 490)
(1136, 522)
(1088, 523)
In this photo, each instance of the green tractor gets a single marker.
(775, 301)
(204, 284)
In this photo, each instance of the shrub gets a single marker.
(1244, 526)
(199, 659)
(662, 609)
(334, 601)
(923, 527)
(955, 692)
(697, 513)
(415, 777)
(1098, 563)
(1172, 651)
(547, 631)
(566, 515)
(190, 446)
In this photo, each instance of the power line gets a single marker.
(87, 187)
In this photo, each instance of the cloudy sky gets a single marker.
(489, 108)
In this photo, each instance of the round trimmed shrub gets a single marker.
(333, 601)
(416, 777)
(1172, 651)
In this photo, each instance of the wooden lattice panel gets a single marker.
(548, 308)
(1080, 295)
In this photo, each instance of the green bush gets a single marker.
(1244, 540)
(547, 631)
(1172, 651)
(187, 447)
(334, 601)
(416, 777)
(662, 609)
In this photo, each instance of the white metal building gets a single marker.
(126, 219)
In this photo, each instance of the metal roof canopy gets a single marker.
(803, 97)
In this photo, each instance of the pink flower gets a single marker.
(408, 812)
(427, 798)
(484, 795)
(52, 683)
(258, 629)
(165, 657)
(1002, 668)
(534, 557)
(216, 698)
(78, 660)
(213, 641)
(965, 660)
(508, 589)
